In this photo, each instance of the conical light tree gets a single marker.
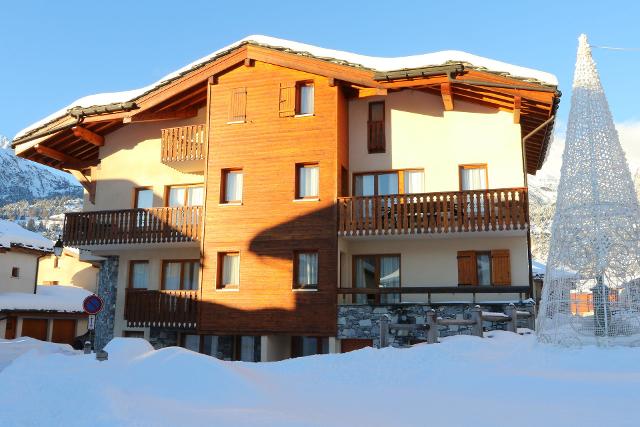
(591, 291)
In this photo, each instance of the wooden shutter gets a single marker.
(500, 267)
(238, 107)
(467, 268)
(287, 106)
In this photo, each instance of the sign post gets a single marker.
(92, 305)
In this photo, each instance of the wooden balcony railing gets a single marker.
(457, 211)
(183, 143)
(144, 308)
(130, 226)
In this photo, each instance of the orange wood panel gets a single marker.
(269, 226)
(34, 328)
(64, 331)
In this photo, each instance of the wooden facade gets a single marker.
(269, 225)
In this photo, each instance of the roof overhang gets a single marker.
(73, 140)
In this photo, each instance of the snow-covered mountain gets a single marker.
(21, 179)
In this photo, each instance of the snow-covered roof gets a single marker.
(352, 59)
(11, 234)
(64, 298)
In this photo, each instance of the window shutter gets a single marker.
(467, 268)
(238, 107)
(500, 267)
(287, 99)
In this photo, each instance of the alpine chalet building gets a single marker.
(274, 199)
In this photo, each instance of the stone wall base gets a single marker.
(363, 321)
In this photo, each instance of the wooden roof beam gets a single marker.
(87, 135)
(517, 102)
(147, 116)
(68, 161)
(447, 96)
(371, 91)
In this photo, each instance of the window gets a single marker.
(307, 178)
(413, 181)
(473, 177)
(15, 272)
(191, 342)
(376, 142)
(376, 271)
(296, 99)
(232, 186)
(139, 274)
(484, 268)
(389, 182)
(306, 270)
(308, 346)
(229, 270)
(143, 198)
(304, 98)
(133, 334)
(185, 195)
(180, 275)
(238, 105)
(232, 347)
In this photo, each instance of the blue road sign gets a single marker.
(93, 304)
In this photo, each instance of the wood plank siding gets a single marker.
(268, 226)
(448, 212)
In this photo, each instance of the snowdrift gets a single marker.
(505, 380)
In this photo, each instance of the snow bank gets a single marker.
(12, 234)
(66, 298)
(12, 349)
(372, 62)
(499, 381)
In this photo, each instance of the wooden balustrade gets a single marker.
(161, 308)
(183, 143)
(130, 226)
(448, 212)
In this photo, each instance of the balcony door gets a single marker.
(373, 272)
(474, 177)
(143, 199)
(180, 196)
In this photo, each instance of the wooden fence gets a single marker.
(153, 225)
(448, 212)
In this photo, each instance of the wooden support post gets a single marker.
(512, 312)
(517, 105)
(476, 316)
(248, 62)
(89, 136)
(432, 325)
(384, 331)
(87, 182)
(70, 162)
(447, 96)
(146, 116)
(331, 81)
(371, 91)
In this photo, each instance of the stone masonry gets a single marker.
(107, 287)
(363, 321)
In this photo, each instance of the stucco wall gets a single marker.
(130, 158)
(27, 275)
(420, 134)
(70, 270)
(433, 262)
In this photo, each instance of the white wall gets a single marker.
(27, 276)
(420, 134)
(130, 158)
(433, 261)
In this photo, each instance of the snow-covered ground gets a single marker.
(505, 380)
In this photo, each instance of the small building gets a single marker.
(48, 313)
(69, 268)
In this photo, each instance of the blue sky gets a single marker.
(52, 53)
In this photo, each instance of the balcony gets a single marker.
(434, 213)
(133, 226)
(176, 309)
(183, 147)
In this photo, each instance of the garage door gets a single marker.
(34, 328)
(354, 344)
(64, 331)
